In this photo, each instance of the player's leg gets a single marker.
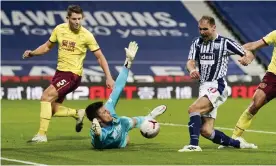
(216, 136)
(200, 106)
(48, 96)
(62, 84)
(128, 124)
(59, 110)
(264, 93)
(63, 111)
(136, 122)
(244, 122)
(207, 129)
(212, 94)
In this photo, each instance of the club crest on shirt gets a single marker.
(216, 46)
(68, 45)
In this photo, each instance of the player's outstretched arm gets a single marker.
(265, 41)
(122, 78)
(44, 48)
(254, 45)
(104, 65)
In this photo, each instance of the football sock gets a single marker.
(219, 137)
(66, 112)
(45, 117)
(243, 123)
(194, 128)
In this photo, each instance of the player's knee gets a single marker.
(254, 108)
(256, 104)
(49, 96)
(259, 98)
(206, 131)
(192, 108)
(45, 97)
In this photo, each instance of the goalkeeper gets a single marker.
(108, 130)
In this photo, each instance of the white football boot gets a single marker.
(190, 148)
(243, 144)
(246, 145)
(96, 127)
(157, 111)
(79, 123)
(38, 139)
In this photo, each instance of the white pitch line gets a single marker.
(223, 128)
(21, 161)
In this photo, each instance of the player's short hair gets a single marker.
(92, 110)
(210, 19)
(74, 9)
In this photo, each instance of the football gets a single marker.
(150, 128)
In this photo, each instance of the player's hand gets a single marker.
(194, 74)
(27, 54)
(110, 83)
(131, 50)
(247, 58)
(244, 61)
(96, 127)
(130, 53)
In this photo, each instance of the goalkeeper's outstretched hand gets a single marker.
(131, 53)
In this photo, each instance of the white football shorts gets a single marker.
(217, 93)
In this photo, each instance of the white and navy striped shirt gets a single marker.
(213, 56)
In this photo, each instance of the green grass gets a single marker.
(20, 121)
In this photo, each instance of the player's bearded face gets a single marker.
(104, 115)
(206, 30)
(75, 21)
